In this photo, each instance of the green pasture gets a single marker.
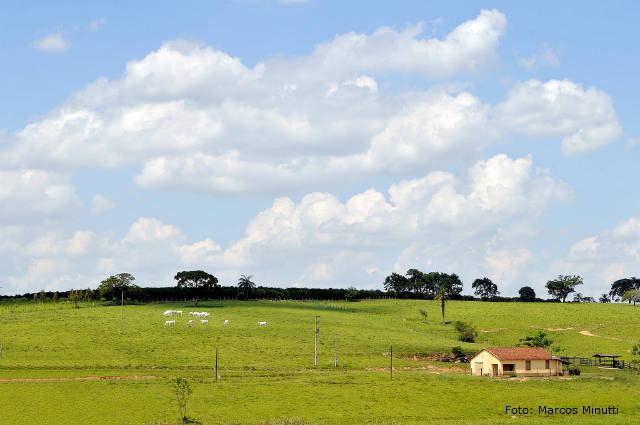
(267, 375)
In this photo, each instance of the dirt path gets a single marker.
(587, 333)
(82, 378)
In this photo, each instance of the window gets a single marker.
(546, 364)
(507, 367)
(528, 365)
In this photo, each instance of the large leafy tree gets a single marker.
(562, 286)
(246, 285)
(197, 281)
(117, 285)
(485, 288)
(620, 286)
(422, 283)
(396, 283)
(527, 294)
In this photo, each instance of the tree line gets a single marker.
(414, 284)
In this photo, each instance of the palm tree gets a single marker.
(246, 284)
(442, 295)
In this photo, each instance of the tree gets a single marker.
(563, 286)
(485, 288)
(75, 297)
(115, 286)
(196, 281)
(467, 333)
(632, 296)
(538, 340)
(55, 297)
(35, 298)
(448, 286)
(351, 294)
(421, 283)
(88, 294)
(604, 298)
(41, 296)
(396, 283)
(246, 285)
(620, 286)
(527, 294)
(182, 390)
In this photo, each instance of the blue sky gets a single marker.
(319, 143)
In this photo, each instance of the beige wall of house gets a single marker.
(485, 363)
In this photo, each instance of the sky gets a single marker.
(318, 143)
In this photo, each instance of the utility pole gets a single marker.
(391, 363)
(122, 314)
(335, 351)
(216, 362)
(316, 340)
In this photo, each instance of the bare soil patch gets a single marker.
(82, 378)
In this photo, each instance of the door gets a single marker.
(478, 369)
(494, 369)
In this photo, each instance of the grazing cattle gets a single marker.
(262, 323)
(170, 323)
(190, 322)
(168, 313)
(178, 312)
(226, 322)
(204, 322)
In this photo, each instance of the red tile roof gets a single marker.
(519, 353)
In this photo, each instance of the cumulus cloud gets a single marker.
(52, 43)
(605, 257)
(321, 239)
(195, 118)
(584, 119)
(30, 194)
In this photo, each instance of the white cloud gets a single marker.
(190, 117)
(52, 43)
(584, 119)
(633, 141)
(606, 257)
(319, 240)
(30, 194)
(96, 24)
(547, 58)
(101, 204)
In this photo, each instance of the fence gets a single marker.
(602, 362)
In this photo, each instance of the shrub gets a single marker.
(467, 332)
(512, 374)
(457, 351)
(424, 315)
(573, 370)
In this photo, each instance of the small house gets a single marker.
(521, 361)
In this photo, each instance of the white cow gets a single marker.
(170, 323)
(204, 322)
(262, 323)
(178, 312)
(226, 322)
(168, 313)
(190, 322)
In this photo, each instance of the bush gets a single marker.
(574, 371)
(457, 351)
(467, 332)
(512, 374)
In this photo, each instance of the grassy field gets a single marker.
(53, 358)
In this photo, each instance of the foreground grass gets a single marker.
(267, 373)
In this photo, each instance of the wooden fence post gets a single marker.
(391, 363)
